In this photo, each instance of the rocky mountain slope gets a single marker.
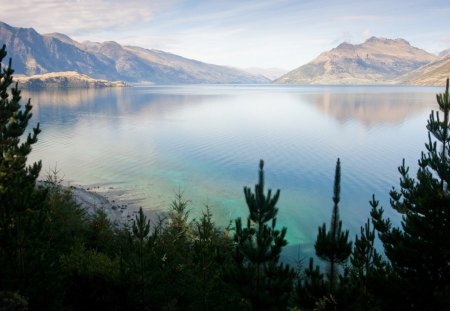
(376, 61)
(33, 53)
(444, 53)
(432, 74)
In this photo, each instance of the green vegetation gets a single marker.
(333, 246)
(54, 256)
(419, 251)
(258, 275)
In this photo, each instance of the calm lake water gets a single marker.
(207, 141)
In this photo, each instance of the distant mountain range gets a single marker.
(33, 53)
(376, 61)
(270, 73)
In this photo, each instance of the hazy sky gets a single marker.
(240, 33)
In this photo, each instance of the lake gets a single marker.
(207, 140)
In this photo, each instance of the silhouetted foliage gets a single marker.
(22, 204)
(310, 286)
(333, 246)
(419, 249)
(259, 276)
(313, 291)
(369, 272)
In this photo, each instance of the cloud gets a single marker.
(361, 17)
(76, 17)
(345, 36)
(366, 33)
(447, 42)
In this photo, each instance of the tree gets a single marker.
(310, 287)
(419, 250)
(333, 246)
(21, 203)
(368, 269)
(262, 280)
(212, 250)
(92, 279)
(100, 233)
(141, 231)
(173, 250)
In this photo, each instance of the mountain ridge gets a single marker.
(444, 53)
(432, 74)
(375, 61)
(34, 53)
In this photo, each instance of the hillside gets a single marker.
(69, 79)
(34, 53)
(444, 53)
(376, 61)
(433, 74)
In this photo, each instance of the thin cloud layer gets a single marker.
(78, 17)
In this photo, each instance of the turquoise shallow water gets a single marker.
(207, 141)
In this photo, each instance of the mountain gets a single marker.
(444, 53)
(36, 54)
(432, 74)
(376, 61)
(270, 73)
(69, 79)
(33, 53)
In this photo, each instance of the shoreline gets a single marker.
(119, 208)
(118, 212)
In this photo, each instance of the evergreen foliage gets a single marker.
(419, 249)
(369, 271)
(262, 280)
(333, 246)
(141, 230)
(212, 251)
(364, 256)
(22, 205)
(310, 286)
(313, 292)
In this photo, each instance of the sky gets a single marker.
(240, 33)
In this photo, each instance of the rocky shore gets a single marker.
(93, 200)
(116, 203)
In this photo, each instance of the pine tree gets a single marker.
(141, 230)
(419, 250)
(212, 251)
(21, 203)
(310, 287)
(368, 269)
(333, 246)
(174, 250)
(261, 279)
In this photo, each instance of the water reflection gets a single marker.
(369, 106)
(67, 106)
(372, 109)
(71, 98)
